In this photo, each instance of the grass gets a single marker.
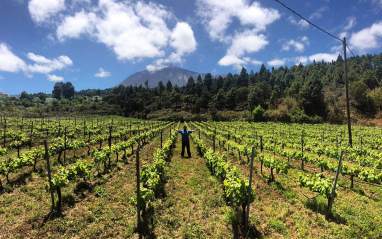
(193, 206)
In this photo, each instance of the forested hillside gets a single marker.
(311, 93)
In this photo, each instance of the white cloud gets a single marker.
(133, 30)
(45, 66)
(375, 2)
(228, 60)
(246, 42)
(300, 59)
(326, 57)
(9, 61)
(298, 45)
(154, 67)
(257, 16)
(256, 62)
(12, 63)
(158, 64)
(216, 16)
(74, 26)
(81, 1)
(277, 62)
(242, 43)
(351, 22)
(318, 13)
(102, 73)
(182, 38)
(42, 10)
(55, 78)
(302, 24)
(367, 38)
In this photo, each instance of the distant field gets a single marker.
(93, 170)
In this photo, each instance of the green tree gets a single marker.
(259, 94)
(242, 79)
(24, 95)
(55, 102)
(67, 90)
(41, 96)
(258, 114)
(190, 86)
(312, 98)
(370, 79)
(161, 87)
(199, 85)
(169, 86)
(26, 103)
(219, 100)
(231, 99)
(358, 93)
(57, 90)
(228, 82)
(208, 81)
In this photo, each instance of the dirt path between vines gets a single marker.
(194, 205)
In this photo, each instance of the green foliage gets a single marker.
(236, 189)
(274, 164)
(100, 191)
(258, 114)
(317, 183)
(24, 95)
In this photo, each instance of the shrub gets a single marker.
(258, 114)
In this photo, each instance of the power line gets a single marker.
(319, 28)
(349, 49)
(308, 21)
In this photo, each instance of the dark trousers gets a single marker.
(184, 145)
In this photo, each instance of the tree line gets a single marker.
(311, 93)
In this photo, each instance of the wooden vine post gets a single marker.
(161, 138)
(46, 156)
(5, 129)
(110, 129)
(84, 129)
(302, 151)
(138, 194)
(331, 199)
(250, 187)
(261, 150)
(214, 137)
(65, 144)
(30, 144)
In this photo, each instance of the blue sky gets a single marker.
(98, 43)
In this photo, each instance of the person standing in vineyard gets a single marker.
(185, 140)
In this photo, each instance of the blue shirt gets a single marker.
(185, 134)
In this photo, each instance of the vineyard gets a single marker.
(78, 177)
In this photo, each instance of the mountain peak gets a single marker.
(170, 72)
